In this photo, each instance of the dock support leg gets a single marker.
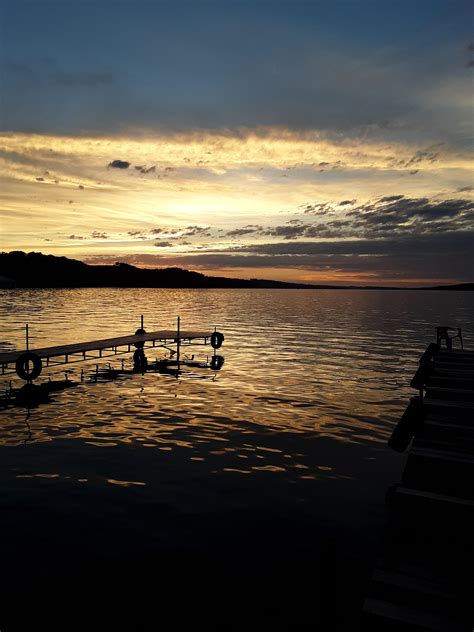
(178, 343)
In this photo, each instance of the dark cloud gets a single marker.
(76, 237)
(163, 244)
(98, 235)
(239, 232)
(429, 154)
(448, 255)
(465, 189)
(119, 164)
(324, 65)
(145, 170)
(391, 215)
(287, 231)
(398, 214)
(317, 209)
(83, 79)
(192, 231)
(426, 244)
(392, 198)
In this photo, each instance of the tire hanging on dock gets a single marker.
(217, 339)
(23, 366)
(410, 422)
(139, 345)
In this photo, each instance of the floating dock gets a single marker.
(424, 578)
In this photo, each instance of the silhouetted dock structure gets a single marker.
(28, 363)
(107, 347)
(424, 578)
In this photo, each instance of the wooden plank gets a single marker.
(455, 354)
(447, 393)
(106, 343)
(414, 582)
(435, 498)
(441, 364)
(462, 373)
(431, 402)
(468, 392)
(417, 619)
(462, 435)
(417, 593)
(442, 455)
(448, 381)
(449, 420)
(447, 473)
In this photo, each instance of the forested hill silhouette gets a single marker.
(34, 269)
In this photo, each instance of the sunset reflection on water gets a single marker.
(328, 364)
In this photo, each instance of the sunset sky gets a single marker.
(323, 141)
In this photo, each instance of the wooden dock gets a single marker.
(107, 347)
(424, 579)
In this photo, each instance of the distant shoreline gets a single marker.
(36, 270)
(442, 288)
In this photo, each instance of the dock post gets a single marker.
(178, 342)
(141, 322)
(27, 335)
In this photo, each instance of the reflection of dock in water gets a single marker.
(424, 577)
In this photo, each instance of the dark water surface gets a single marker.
(267, 478)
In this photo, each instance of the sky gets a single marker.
(319, 142)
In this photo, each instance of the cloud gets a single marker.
(83, 79)
(240, 232)
(163, 244)
(144, 170)
(119, 164)
(432, 244)
(399, 214)
(445, 257)
(389, 88)
(391, 198)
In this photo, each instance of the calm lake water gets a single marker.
(292, 431)
(336, 363)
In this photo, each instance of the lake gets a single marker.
(272, 468)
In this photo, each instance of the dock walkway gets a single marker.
(424, 579)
